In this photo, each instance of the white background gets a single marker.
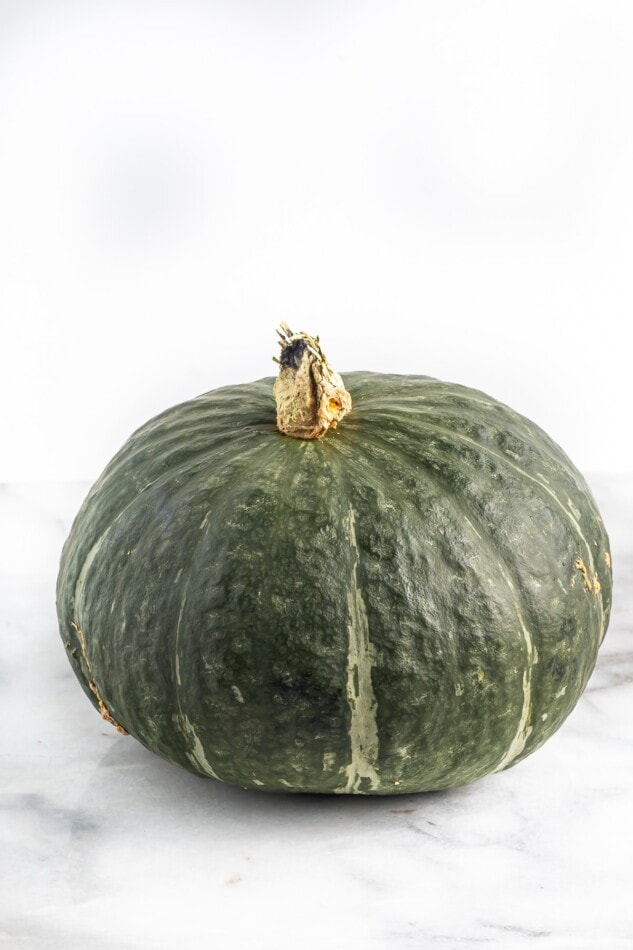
(442, 188)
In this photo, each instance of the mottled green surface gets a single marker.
(395, 608)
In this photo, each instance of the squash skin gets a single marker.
(229, 591)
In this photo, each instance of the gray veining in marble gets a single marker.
(104, 846)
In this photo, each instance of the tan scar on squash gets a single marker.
(589, 583)
(103, 709)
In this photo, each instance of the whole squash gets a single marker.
(407, 603)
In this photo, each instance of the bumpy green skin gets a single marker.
(410, 603)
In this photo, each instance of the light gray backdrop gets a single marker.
(436, 188)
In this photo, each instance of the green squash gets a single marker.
(407, 603)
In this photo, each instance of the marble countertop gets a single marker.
(105, 846)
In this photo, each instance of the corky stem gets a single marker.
(310, 396)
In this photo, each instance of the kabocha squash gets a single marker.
(409, 602)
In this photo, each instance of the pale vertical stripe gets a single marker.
(195, 754)
(363, 730)
(83, 574)
(524, 728)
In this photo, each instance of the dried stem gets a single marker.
(311, 397)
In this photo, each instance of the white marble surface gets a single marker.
(105, 846)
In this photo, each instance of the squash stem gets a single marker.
(311, 397)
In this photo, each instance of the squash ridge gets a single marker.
(524, 728)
